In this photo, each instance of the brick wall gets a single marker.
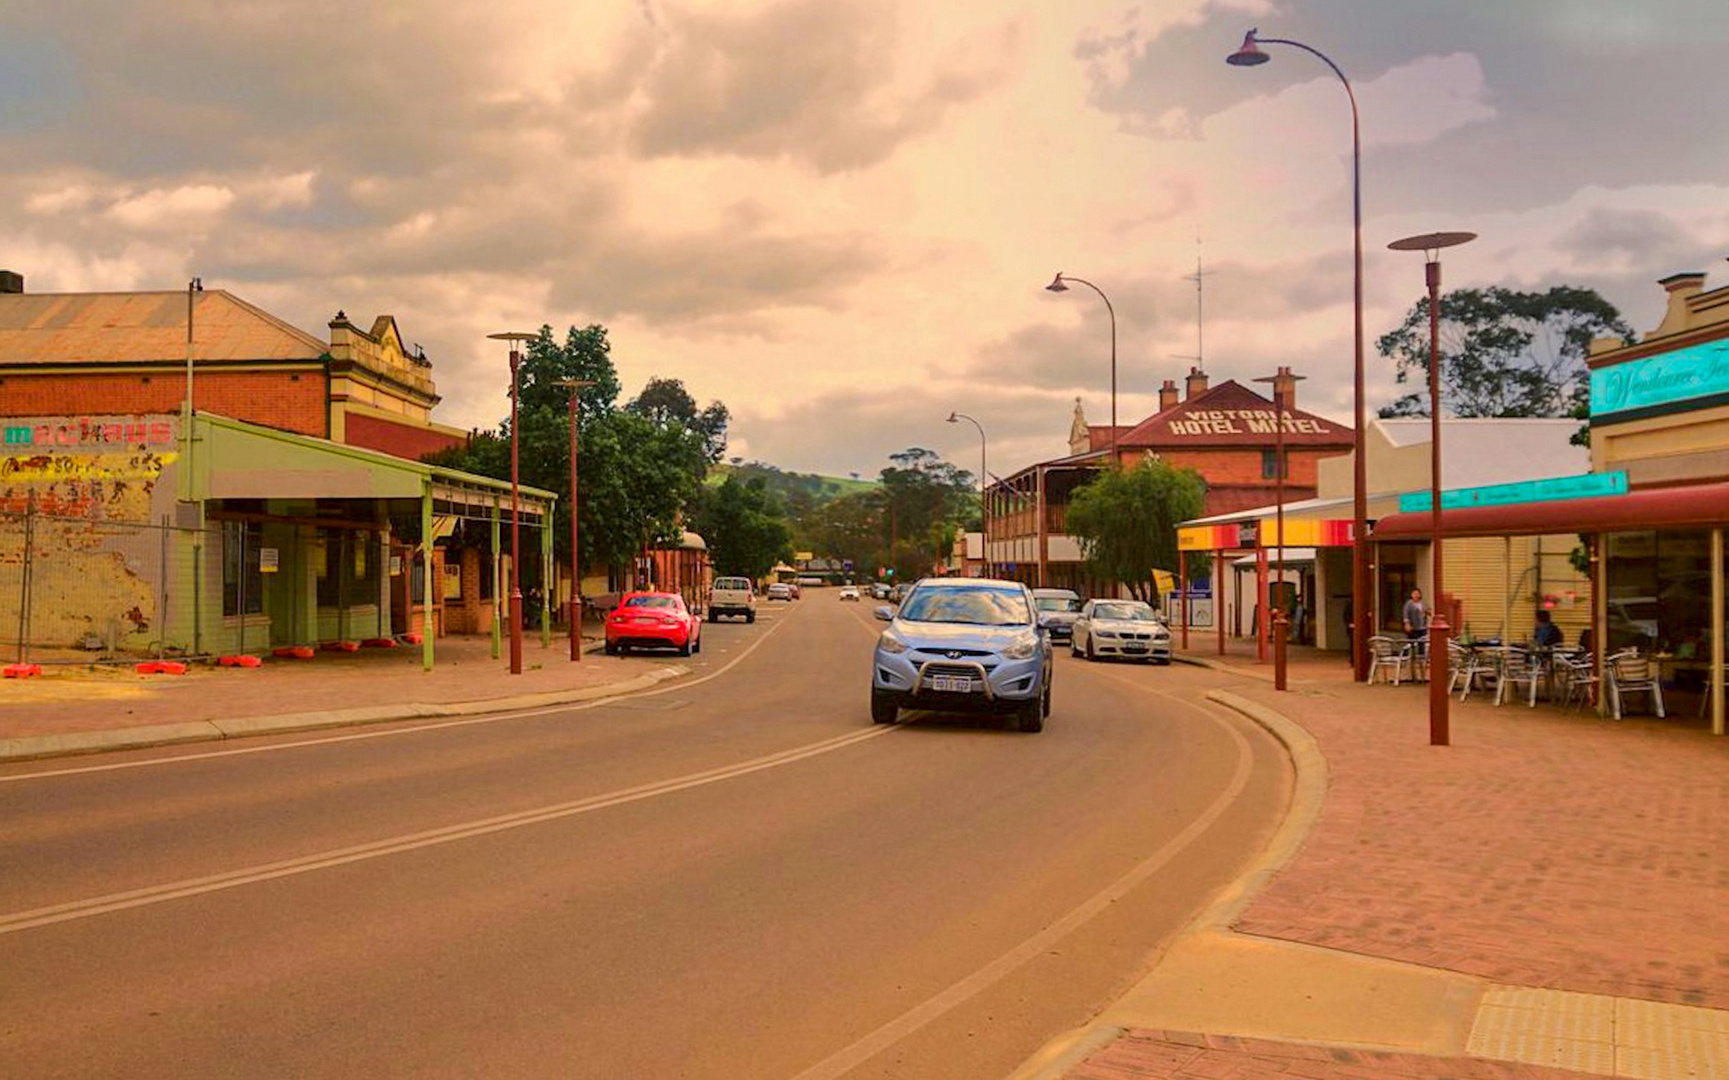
(291, 401)
(410, 441)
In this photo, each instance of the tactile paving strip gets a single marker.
(1595, 1033)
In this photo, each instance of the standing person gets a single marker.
(1416, 618)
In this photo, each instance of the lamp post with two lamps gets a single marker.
(1250, 55)
(1430, 244)
(984, 510)
(1059, 284)
(515, 337)
(576, 387)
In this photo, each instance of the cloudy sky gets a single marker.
(837, 216)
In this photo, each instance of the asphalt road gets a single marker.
(734, 876)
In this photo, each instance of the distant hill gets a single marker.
(800, 490)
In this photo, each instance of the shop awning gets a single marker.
(1695, 506)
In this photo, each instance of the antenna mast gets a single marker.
(1199, 278)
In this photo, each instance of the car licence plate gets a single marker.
(1134, 648)
(951, 684)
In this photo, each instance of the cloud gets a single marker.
(193, 206)
(810, 80)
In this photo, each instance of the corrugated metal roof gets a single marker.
(139, 327)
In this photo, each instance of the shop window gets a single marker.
(347, 565)
(242, 579)
(1660, 592)
(1270, 464)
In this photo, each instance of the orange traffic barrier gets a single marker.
(22, 671)
(239, 661)
(293, 652)
(161, 667)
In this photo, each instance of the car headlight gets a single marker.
(890, 644)
(1022, 648)
(1106, 633)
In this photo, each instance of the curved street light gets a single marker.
(1250, 55)
(984, 508)
(1058, 285)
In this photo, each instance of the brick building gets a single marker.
(1227, 433)
(286, 507)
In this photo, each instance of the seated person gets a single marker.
(1547, 635)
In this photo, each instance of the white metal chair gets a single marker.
(1705, 692)
(1630, 673)
(1472, 669)
(1578, 679)
(1392, 658)
(1518, 667)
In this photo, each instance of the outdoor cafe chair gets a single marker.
(1630, 673)
(1578, 679)
(1473, 667)
(1392, 658)
(1518, 667)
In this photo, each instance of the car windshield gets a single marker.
(1125, 612)
(731, 583)
(965, 604)
(652, 602)
(1057, 603)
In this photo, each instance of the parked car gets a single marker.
(1058, 610)
(796, 591)
(778, 591)
(1126, 628)
(732, 596)
(849, 592)
(879, 590)
(653, 620)
(963, 644)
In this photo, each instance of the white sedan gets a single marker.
(849, 592)
(1125, 628)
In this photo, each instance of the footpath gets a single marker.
(86, 709)
(1546, 897)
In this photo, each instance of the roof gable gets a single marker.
(143, 327)
(1230, 414)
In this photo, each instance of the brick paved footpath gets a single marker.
(83, 699)
(1164, 1055)
(1539, 849)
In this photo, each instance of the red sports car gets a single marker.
(653, 619)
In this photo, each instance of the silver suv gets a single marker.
(963, 644)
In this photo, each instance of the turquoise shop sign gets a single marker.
(1665, 379)
(1586, 486)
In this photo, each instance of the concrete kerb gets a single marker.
(32, 747)
(1056, 1059)
(1220, 665)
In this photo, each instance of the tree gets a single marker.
(925, 500)
(666, 401)
(1126, 521)
(1503, 353)
(637, 476)
(849, 528)
(745, 528)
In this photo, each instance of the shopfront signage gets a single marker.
(91, 431)
(1586, 486)
(1698, 371)
(1242, 422)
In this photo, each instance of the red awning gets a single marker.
(1695, 506)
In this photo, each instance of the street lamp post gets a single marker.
(1277, 618)
(1250, 55)
(515, 338)
(1430, 244)
(984, 511)
(1058, 284)
(576, 386)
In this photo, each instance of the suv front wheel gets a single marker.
(883, 707)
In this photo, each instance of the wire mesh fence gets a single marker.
(80, 589)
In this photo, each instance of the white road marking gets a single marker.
(489, 718)
(850, 1057)
(156, 894)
